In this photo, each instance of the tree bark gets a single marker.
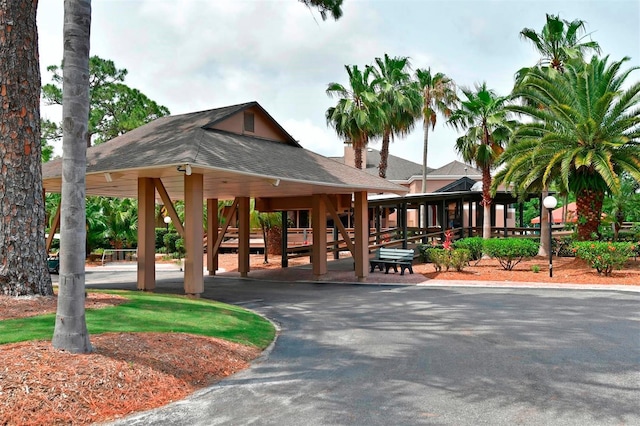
(589, 211)
(23, 257)
(486, 202)
(544, 226)
(384, 155)
(70, 331)
(425, 150)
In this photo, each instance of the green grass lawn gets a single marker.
(149, 312)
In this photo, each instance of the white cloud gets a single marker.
(192, 55)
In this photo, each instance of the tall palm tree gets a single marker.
(358, 115)
(484, 117)
(585, 132)
(438, 97)
(70, 332)
(560, 41)
(399, 99)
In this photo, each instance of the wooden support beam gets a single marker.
(342, 202)
(361, 230)
(146, 235)
(244, 232)
(54, 227)
(336, 220)
(212, 235)
(193, 212)
(319, 227)
(168, 204)
(227, 221)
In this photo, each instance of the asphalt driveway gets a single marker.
(384, 355)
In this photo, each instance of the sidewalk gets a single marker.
(341, 271)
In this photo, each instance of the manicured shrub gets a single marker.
(160, 233)
(459, 258)
(473, 244)
(442, 258)
(438, 257)
(604, 256)
(510, 251)
(169, 241)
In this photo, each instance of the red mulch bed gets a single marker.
(566, 270)
(127, 372)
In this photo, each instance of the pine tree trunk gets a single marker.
(23, 257)
(70, 331)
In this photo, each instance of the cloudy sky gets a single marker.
(192, 55)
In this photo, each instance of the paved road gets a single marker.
(376, 355)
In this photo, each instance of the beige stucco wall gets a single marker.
(263, 127)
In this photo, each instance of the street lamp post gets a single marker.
(550, 202)
(167, 221)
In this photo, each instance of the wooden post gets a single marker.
(193, 212)
(319, 227)
(244, 233)
(361, 231)
(285, 239)
(55, 224)
(212, 235)
(146, 235)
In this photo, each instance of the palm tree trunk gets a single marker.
(23, 257)
(425, 150)
(70, 331)
(544, 226)
(486, 202)
(384, 155)
(589, 211)
(358, 157)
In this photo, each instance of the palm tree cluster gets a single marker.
(570, 124)
(384, 101)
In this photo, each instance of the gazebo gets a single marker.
(232, 153)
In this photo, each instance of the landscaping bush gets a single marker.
(169, 241)
(510, 251)
(160, 233)
(604, 256)
(456, 258)
(473, 245)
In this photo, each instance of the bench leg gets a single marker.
(403, 267)
(389, 266)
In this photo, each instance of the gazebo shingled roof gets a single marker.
(233, 164)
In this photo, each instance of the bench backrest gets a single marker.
(386, 253)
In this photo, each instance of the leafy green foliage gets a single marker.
(443, 258)
(510, 251)
(326, 7)
(582, 133)
(604, 256)
(149, 312)
(115, 108)
(473, 244)
(170, 240)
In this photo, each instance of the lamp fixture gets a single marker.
(107, 177)
(275, 182)
(186, 169)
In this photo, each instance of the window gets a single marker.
(249, 122)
